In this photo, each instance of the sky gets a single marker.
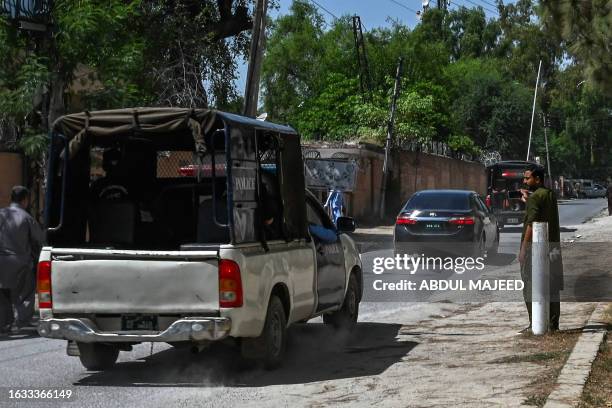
(373, 13)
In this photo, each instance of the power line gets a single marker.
(484, 8)
(324, 9)
(489, 3)
(403, 6)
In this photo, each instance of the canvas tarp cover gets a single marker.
(154, 123)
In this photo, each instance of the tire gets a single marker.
(96, 356)
(269, 348)
(346, 317)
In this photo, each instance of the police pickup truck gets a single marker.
(186, 226)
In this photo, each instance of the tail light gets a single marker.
(405, 220)
(230, 284)
(462, 221)
(43, 285)
(488, 201)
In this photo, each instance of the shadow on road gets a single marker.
(315, 352)
(21, 334)
(514, 230)
(500, 259)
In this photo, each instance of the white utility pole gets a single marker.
(535, 95)
(540, 283)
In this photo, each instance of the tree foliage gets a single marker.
(585, 26)
(468, 80)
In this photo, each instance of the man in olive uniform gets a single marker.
(542, 207)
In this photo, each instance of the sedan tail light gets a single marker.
(405, 220)
(462, 221)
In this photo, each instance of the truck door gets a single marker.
(331, 273)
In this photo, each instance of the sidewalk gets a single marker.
(471, 355)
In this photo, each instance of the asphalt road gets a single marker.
(162, 376)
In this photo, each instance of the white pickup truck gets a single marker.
(231, 247)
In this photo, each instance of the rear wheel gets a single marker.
(96, 356)
(347, 316)
(269, 348)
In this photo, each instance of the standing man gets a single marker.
(20, 243)
(541, 207)
(609, 195)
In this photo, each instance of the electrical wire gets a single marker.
(403, 6)
(488, 3)
(324, 9)
(484, 8)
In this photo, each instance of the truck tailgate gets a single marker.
(126, 284)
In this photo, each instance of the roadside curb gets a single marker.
(570, 383)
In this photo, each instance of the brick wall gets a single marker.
(411, 172)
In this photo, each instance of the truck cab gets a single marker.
(185, 226)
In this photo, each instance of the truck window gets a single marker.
(134, 195)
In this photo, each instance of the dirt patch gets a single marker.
(550, 351)
(598, 389)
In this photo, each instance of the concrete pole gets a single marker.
(540, 283)
(258, 38)
(535, 96)
(389, 142)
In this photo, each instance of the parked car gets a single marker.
(457, 221)
(231, 247)
(597, 191)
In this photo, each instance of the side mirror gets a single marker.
(345, 224)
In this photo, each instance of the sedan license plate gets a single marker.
(512, 220)
(139, 323)
(433, 226)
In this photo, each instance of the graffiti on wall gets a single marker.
(327, 174)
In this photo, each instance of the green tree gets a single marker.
(494, 112)
(291, 70)
(585, 26)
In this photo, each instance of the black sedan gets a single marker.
(453, 221)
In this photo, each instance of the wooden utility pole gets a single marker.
(258, 39)
(365, 80)
(389, 142)
(547, 155)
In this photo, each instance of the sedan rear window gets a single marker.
(438, 201)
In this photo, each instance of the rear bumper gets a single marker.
(510, 217)
(83, 330)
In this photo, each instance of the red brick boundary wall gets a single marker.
(412, 172)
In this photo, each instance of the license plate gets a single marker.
(433, 226)
(139, 323)
(512, 220)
